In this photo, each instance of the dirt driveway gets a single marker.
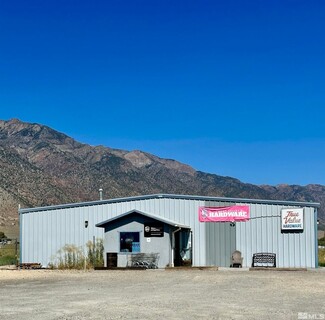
(161, 294)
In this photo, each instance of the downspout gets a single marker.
(316, 238)
(173, 246)
(191, 247)
(20, 238)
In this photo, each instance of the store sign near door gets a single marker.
(292, 219)
(153, 230)
(224, 214)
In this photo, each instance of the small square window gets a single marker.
(129, 242)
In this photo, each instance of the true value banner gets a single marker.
(224, 214)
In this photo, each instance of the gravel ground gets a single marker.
(161, 294)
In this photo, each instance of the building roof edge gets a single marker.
(171, 196)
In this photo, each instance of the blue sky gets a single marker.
(234, 88)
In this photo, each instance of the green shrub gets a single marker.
(8, 260)
(95, 253)
(8, 253)
(321, 257)
(321, 241)
(2, 235)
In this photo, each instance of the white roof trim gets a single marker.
(151, 216)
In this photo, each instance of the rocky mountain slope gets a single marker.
(40, 166)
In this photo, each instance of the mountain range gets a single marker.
(40, 166)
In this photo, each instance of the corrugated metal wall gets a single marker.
(262, 233)
(45, 232)
(220, 239)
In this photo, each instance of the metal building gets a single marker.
(176, 230)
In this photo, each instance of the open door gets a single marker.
(183, 248)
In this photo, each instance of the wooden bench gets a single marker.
(264, 259)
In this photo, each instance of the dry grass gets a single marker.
(321, 257)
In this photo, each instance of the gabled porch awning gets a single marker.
(145, 214)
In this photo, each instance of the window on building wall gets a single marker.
(129, 242)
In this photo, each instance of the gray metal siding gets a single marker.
(262, 233)
(129, 224)
(220, 243)
(44, 232)
(220, 239)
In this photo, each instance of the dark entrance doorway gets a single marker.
(183, 248)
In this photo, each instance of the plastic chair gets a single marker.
(236, 260)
